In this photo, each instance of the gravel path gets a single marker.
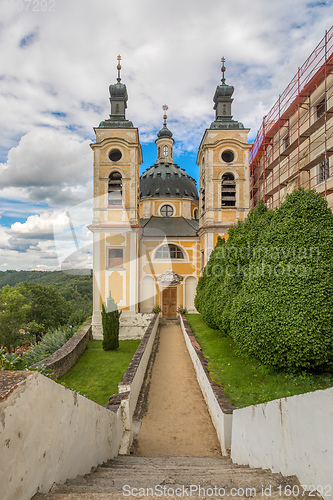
(177, 422)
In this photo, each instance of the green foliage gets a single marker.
(49, 309)
(182, 310)
(272, 292)
(228, 264)
(110, 324)
(50, 343)
(245, 380)
(13, 317)
(284, 313)
(74, 285)
(11, 361)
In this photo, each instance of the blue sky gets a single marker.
(55, 69)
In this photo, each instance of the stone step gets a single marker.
(108, 480)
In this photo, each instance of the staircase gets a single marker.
(117, 478)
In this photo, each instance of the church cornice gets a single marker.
(116, 140)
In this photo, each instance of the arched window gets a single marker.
(165, 150)
(228, 191)
(169, 252)
(115, 188)
(159, 151)
(196, 213)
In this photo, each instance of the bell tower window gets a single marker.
(165, 151)
(228, 191)
(115, 189)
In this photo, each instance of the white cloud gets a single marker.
(56, 68)
(49, 166)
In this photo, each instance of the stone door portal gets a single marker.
(169, 302)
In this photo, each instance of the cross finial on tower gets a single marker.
(119, 68)
(165, 116)
(223, 69)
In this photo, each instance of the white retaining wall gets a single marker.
(221, 421)
(49, 434)
(292, 436)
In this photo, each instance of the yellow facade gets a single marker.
(155, 232)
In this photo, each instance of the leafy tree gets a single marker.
(14, 310)
(110, 324)
(49, 309)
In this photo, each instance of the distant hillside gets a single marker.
(75, 285)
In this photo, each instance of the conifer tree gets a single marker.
(110, 324)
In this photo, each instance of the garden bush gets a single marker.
(269, 286)
(110, 324)
(50, 343)
(283, 314)
(228, 264)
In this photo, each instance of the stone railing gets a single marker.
(64, 358)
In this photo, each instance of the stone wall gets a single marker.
(49, 434)
(291, 435)
(64, 358)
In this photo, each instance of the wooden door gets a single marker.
(169, 300)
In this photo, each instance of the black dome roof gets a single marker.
(164, 132)
(167, 179)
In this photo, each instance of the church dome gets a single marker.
(118, 90)
(223, 91)
(167, 180)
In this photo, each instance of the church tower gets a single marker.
(116, 227)
(224, 172)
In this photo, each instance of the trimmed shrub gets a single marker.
(283, 313)
(110, 323)
(228, 264)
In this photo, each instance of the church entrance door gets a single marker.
(169, 302)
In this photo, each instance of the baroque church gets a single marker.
(153, 234)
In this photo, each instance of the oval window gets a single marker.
(167, 211)
(228, 156)
(115, 155)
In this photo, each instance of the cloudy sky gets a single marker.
(57, 59)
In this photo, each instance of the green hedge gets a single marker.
(276, 300)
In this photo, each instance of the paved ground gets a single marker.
(177, 422)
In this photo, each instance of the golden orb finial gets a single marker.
(119, 68)
(223, 69)
(165, 116)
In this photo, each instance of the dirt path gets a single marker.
(177, 422)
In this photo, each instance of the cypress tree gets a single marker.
(110, 324)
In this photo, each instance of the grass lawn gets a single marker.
(245, 381)
(97, 373)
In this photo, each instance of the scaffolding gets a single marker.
(295, 141)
